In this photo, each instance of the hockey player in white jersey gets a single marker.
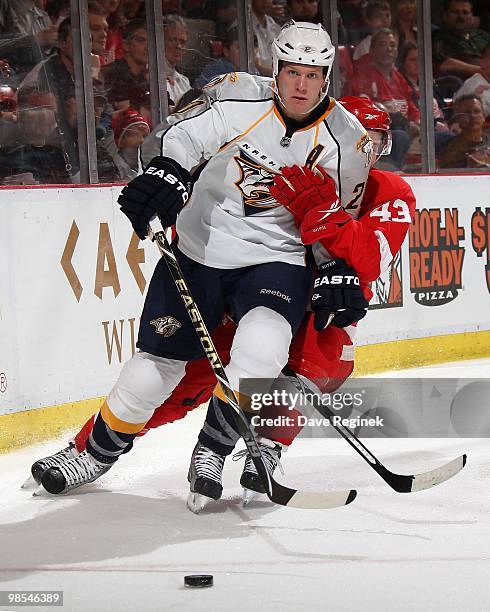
(240, 251)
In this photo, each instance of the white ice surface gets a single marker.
(126, 541)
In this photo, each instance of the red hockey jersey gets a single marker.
(370, 243)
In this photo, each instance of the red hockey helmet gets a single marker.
(372, 118)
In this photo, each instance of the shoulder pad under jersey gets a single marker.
(239, 86)
(232, 86)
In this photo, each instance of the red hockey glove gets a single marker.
(321, 222)
(311, 196)
(301, 189)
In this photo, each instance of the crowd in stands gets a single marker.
(378, 57)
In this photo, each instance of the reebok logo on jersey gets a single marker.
(166, 326)
(276, 293)
(171, 179)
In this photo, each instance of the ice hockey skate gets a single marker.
(73, 473)
(250, 480)
(204, 476)
(41, 465)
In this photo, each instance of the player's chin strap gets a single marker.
(402, 483)
(276, 492)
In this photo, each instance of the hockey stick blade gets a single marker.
(425, 480)
(401, 483)
(317, 499)
(276, 492)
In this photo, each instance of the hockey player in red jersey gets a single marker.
(364, 246)
(368, 244)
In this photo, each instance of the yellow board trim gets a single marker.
(20, 429)
(416, 352)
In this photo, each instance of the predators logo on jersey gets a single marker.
(365, 145)
(254, 183)
(166, 326)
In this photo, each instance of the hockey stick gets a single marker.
(402, 483)
(276, 492)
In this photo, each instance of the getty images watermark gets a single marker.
(301, 401)
(371, 407)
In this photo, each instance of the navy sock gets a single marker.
(105, 444)
(219, 432)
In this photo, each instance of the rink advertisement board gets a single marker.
(73, 277)
(439, 286)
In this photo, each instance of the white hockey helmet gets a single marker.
(301, 42)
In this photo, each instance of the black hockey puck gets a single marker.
(198, 581)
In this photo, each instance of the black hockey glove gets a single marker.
(162, 189)
(336, 290)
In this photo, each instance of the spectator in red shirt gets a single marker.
(379, 80)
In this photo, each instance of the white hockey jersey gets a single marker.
(239, 131)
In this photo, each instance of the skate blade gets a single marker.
(40, 492)
(197, 502)
(249, 496)
(30, 483)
